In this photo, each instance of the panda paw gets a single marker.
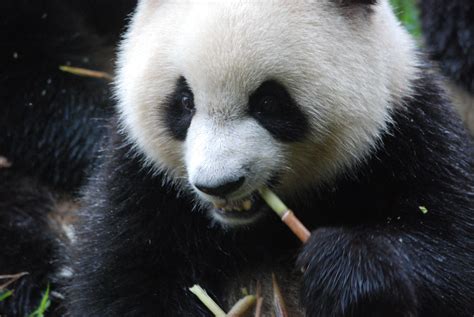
(355, 273)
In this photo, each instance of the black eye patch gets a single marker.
(272, 106)
(179, 110)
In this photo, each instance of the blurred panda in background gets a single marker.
(448, 28)
(51, 124)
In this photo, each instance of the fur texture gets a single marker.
(448, 28)
(28, 241)
(382, 142)
(51, 123)
(51, 120)
(198, 42)
(372, 251)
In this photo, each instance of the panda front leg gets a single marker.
(356, 272)
(136, 281)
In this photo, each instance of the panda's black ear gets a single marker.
(354, 2)
(354, 6)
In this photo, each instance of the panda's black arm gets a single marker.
(386, 270)
(139, 247)
(358, 272)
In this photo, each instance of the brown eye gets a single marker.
(187, 102)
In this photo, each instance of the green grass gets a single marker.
(44, 304)
(5, 294)
(408, 13)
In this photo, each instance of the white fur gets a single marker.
(216, 152)
(343, 66)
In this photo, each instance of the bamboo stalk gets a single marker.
(285, 214)
(207, 301)
(85, 72)
(296, 226)
(12, 278)
(242, 307)
(278, 301)
(259, 305)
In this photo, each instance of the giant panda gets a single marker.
(448, 28)
(330, 104)
(51, 126)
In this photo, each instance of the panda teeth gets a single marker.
(240, 206)
(219, 205)
(235, 207)
(247, 205)
(230, 208)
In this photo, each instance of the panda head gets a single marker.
(225, 97)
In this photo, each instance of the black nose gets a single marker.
(223, 189)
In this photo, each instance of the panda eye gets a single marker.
(187, 102)
(180, 110)
(275, 110)
(268, 104)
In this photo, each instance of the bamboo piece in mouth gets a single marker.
(285, 214)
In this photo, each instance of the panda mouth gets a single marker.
(247, 207)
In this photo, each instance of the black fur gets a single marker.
(148, 246)
(356, 2)
(448, 27)
(50, 126)
(28, 243)
(270, 104)
(389, 258)
(276, 111)
(372, 252)
(362, 1)
(51, 121)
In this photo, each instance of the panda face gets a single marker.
(225, 97)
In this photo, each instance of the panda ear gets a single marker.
(354, 6)
(355, 2)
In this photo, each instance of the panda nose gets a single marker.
(223, 189)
